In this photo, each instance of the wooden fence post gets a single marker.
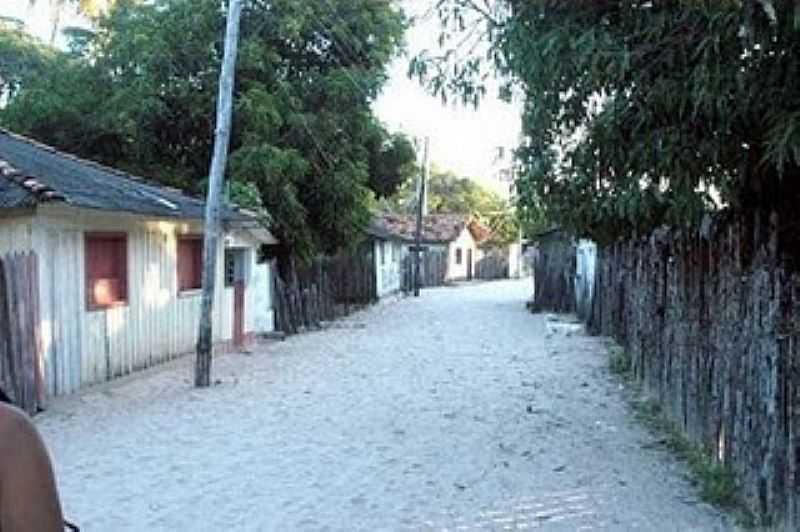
(5, 330)
(14, 333)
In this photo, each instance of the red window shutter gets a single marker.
(190, 263)
(106, 270)
(198, 263)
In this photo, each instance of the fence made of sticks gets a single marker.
(710, 321)
(308, 296)
(554, 272)
(433, 269)
(21, 356)
(494, 264)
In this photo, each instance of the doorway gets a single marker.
(235, 278)
(469, 264)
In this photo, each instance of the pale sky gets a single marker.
(463, 140)
(37, 19)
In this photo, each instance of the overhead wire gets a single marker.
(348, 51)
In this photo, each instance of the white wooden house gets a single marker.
(454, 236)
(119, 265)
(389, 255)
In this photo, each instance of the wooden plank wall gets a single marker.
(325, 290)
(21, 358)
(433, 269)
(554, 271)
(711, 320)
(388, 270)
(494, 264)
(84, 347)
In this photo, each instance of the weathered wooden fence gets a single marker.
(554, 271)
(494, 264)
(711, 320)
(327, 289)
(433, 269)
(21, 358)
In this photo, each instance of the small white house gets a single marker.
(120, 264)
(451, 239)
(389, 259)
(463, 251)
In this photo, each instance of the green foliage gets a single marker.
(21, 57)
(635, 111)
(619, 362)
(392, 162)
(247, 196)
(140, 91)
(716, 482)
(450, 193)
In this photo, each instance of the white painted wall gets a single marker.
(388, 264)
(259, 315)
(465, 241)
(516, 263)
(15, 233)
(586, 266)
(83, 347)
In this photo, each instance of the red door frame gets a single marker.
(235, 278)
(238, 313)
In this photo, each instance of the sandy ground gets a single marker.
(455, 411)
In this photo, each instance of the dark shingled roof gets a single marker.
(32, 173)
(436, 228)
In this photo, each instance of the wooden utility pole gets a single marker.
(216, 177)
(422, 209)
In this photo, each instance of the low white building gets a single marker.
(120, 264)
(389, 259)
(450, 242)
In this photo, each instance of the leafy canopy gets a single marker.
(638, 113)
(139, 93)
(448, 193)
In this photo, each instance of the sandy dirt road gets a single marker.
(455, 411)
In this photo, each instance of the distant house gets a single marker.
(120, 264)
(451, 239)
(389, 263)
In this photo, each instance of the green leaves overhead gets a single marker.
(304, 134)
(641, 113)
(448, 193)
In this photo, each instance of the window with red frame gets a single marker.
(190, 263)
(106, 270)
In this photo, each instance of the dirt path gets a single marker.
(455, 411)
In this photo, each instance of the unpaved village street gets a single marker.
(455, 411)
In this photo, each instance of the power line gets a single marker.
(342, 44)
(325, 155)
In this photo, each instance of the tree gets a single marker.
(392, 162)
(641, 113)
(450, 194)
(304, 135)
(21, 58)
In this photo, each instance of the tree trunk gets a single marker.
(202, 375)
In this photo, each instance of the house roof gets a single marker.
(32, 173)
(436, 228)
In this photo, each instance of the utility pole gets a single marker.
(422, 209)
(216, 177)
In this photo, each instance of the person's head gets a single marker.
(33, 504)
